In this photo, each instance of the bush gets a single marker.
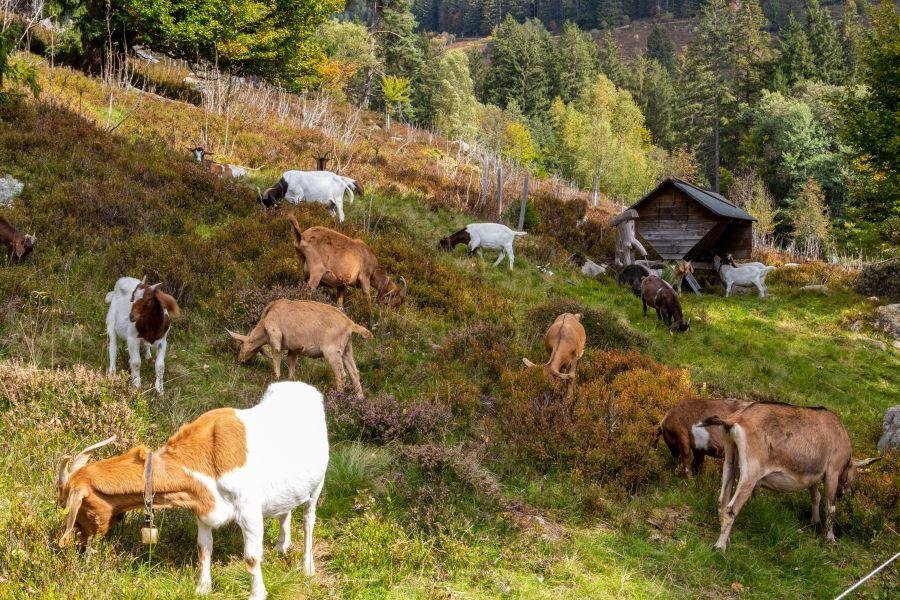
(484, 347)
(881, 279)
(604, 330)
(382, 419)
(605, 431)
(874, 500)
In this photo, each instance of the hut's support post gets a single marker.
(626, 240)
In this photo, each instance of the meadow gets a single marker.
(456, 478)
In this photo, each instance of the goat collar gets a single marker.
(148, 490)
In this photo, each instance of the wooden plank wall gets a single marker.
(673, 223)
(738, 239)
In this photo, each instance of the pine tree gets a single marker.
(575, 60)
(824, 43)
(610, 13)
(796, 60)
(611, 63)
(852, 32)
(661, 48)
(519, 55)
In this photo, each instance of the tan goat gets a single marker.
(308, 329)
(564, 341)
(784, 448)
(334, 260)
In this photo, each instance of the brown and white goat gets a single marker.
(564, 341)
(784, 448)
(227, 465)
(690, 446)
(217, 168)
(683, 268)
(658, 294)
(334, 260)
(305, 329)
(139, 314)
(19, 245)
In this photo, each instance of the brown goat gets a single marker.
(20, 246)
(334, 260)
(564, 342)
(658, 294)
(308, 329)
(690, 446)
(784, 448)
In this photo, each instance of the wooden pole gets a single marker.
(524, 202)
(500, 188)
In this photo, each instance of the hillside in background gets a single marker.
(459, 475)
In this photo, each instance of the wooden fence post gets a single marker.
(524, 202)
(500, 188)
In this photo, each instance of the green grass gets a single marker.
(389, 528)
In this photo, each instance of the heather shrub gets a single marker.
(836, 277)
(247, 304)
(383, 418)
(604, 432)
(881, 279)
(604, 329)
(483, 347)
(874, 500)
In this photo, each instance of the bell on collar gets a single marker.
(149, 535)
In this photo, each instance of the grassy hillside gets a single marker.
(458, 476)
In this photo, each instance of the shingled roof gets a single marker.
(714, 202)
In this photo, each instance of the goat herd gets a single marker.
(244, 465)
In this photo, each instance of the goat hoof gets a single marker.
(719, 548)
(203, 588)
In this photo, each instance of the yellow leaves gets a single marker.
(518, 145)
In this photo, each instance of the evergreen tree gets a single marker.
(399, 48)
(852, 32)
(654, 92)
(609, 13)
(661, 48)
(824, 43)
(796, 60)
(575, 60)
(611, 63)
(519, 70)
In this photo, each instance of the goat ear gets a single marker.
(72, 507)
(168, 302)
(578, 316)
(865, 462)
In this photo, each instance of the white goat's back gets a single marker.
(316, 186)
(492, 236)
(287, 448)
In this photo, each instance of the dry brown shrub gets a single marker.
(605, 432)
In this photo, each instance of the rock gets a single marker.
(890, 439)
(10, 187)
(881, 279)
(857, 325)
(888, 319)
(876, 343)
(897, 344)
(816, 289)
(875, 299)
(791, 265)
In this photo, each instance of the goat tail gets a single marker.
(295, 227)
(528, 363)
(109, 297)
(362, 331)
(657, 433)
(563, 376)
(520, 233)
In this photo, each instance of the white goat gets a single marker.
(323, 187)
(139, 314)
(743, 275)
(227, 465)
(492, 236)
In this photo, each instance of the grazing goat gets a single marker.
(220, 169)
(20, 246)
(337, 261)
(492, 236)
(683, 268)
(564, 342)
(688, 443)
(743, 275)
(139, 314)
(323, 187)
(227, 465)
(632, 275)
(784, 448)
(305, 329)
(658, 294)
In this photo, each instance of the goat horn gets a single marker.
(865, 462)
(405, 285)
(144, 280)
(83, 457)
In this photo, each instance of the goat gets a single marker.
(743, 275)
(337, 261)
(784, 448)
(683, 268)
(323, 187)
(227, 465)
(689, 444)
(564, 342)
(492, 236)
(632, 275)
(220, 169)
(20, 246)
(658, 294)
(308, 329)
(139, 314)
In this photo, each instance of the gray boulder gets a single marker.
(10, 187)
(890, 440)
(888, 319)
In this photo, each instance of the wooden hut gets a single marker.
(682, 221)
